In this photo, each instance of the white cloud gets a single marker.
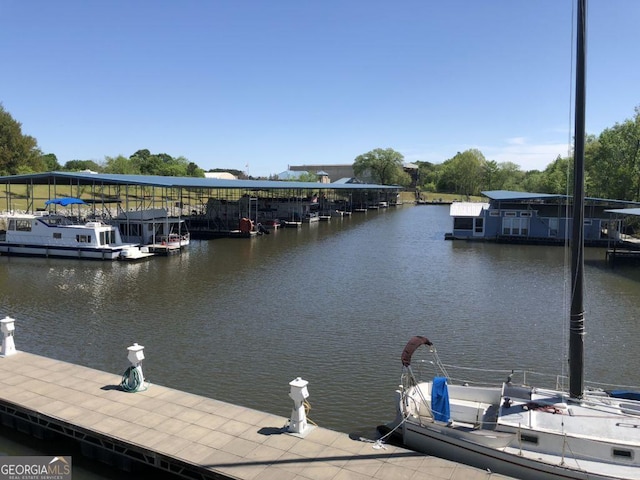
(517, 141)
(518, 150)
(527, 156)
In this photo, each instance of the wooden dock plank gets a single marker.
(182, 432)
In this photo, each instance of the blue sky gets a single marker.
(267, 84)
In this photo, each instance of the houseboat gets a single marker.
(49, 235)
(532, 218)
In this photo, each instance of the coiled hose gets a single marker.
(131, 380)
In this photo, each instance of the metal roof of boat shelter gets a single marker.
(86, 178)
(507, 195)
(634, 212)
(511, 195)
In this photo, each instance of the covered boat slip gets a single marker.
(207, 205)
(628, 248)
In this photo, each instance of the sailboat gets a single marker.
(517, 429)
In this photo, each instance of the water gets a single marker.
(333, 303)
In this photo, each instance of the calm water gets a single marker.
(334, 303)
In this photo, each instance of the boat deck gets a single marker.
(189, 435)
(164, 249)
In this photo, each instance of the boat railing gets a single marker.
(426, 369)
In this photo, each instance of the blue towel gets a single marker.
(440, 400)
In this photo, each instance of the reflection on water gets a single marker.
(334, 303)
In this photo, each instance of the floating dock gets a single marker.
(188, 435)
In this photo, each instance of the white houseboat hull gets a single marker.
(57, 236)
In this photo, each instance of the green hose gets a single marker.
(131, 380)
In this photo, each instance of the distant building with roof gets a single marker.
(323, 177)
(222, 175)
(328, 170)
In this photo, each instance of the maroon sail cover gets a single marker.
(414, 343)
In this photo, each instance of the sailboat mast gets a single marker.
(576, 324)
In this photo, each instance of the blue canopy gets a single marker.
(64, 201)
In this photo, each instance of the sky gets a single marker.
(258, 85)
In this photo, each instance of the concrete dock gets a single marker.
(189, 435)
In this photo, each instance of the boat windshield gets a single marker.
(54, 220)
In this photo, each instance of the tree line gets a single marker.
(20, 154)
(612, 169)
(612, 165)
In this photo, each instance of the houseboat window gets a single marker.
(463, 223)
(83, 238)
(107, 238)
(494, 213)
(22, 225)
(57, 236)
(619, 453)
(510, 214)
(525, 214)
(515, 226)
(553, 227)
(587, 221)
(479, 225)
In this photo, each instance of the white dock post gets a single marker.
(133, 379)
(8, 345)
(298, 423)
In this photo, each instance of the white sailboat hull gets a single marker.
(443, 442)
(524, 432)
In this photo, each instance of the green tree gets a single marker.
(302, 177)
(384, 166)
(462, 174)
(79, 165)
(533, 181)
(120, 164)
(510, 176)
(176, 167)
(147, 163)
(613, 162)
(194, 170)
(491, 176)
(556, 177)
(18, 153)
(427, 176)
(50, 162)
